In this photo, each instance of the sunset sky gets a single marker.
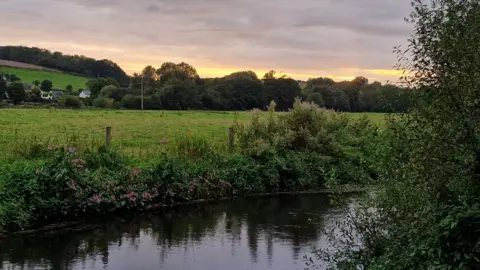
(340, 39)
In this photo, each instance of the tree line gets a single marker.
(77, 64)
(177, 86)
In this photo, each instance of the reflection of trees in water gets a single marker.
(296, 220)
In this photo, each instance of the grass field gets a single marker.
(135, 133)
(60, 80)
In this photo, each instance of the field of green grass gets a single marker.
(134, 133)
(60, 80)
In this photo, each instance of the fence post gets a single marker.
(108, 136)
(231, 138)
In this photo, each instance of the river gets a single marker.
(244, 234)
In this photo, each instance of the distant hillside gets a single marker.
(31, 73)
(6, 63)
(77, 64)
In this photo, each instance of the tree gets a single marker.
(14, 78)
(427, 200)
(3, 88)
(46, 85)
(95, 85)
(36, 83)
(34, 95)
(68, 101)
(360, 81)
(16, 92)
(242, 91)
(171, 73)
(283, 91)
(69, 88)
(316, 98)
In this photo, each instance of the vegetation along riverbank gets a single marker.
(304, 149)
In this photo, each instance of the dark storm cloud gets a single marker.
(297, 36)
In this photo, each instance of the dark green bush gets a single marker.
(68, 101)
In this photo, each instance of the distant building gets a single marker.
(52, 95)
(85, 94)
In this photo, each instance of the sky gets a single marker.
(340, 39)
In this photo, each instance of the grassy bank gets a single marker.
(306, 149)
(60, 80)
(136, 134)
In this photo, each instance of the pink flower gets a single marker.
(136, 172)
(96, 198)
(164, 140)
(113, 198)
(192, 188)
(147, 195)
(38, 171)
(78, 162)
(72, 184)
(52, 147)
(132, 199)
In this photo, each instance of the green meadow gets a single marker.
(60, 80)
(134, 133)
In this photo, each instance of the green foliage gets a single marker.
(283, 91)
(46, 85)
(16, 92)
(68, 63)
(332, 140)
(69, 88)
(103, 102)
(67, 101)
(425, 213)
(96, 85)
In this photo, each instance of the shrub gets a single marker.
(102, 102)
(72, 102)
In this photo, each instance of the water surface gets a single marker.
(245, 234)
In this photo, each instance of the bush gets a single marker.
(72, 102)
(102, 102)
(345, 146)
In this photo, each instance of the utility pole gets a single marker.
(142, 92)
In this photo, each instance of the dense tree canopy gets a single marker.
(46, 85)
(16, 92)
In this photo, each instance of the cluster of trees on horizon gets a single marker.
(177, 86)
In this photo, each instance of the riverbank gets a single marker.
(87, 223)
(270, 156)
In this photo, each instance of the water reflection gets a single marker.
(260, 233)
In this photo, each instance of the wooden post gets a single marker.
(108, 136)
(231, 138)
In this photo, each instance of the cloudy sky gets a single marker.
(302, 38)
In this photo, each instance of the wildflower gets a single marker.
(192, 188)
(136, 172)
(189, 133)
(147, 195)
(132, 199)
(72, 184)
(96, 198)
(113, 198)
(38, 171)
(52, 147)
(164, 140)
(78, 162)
(72, 150)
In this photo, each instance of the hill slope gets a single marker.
(77, 64)
(60, 80)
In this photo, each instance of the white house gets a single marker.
(84, 94)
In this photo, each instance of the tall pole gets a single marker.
(142, 92)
